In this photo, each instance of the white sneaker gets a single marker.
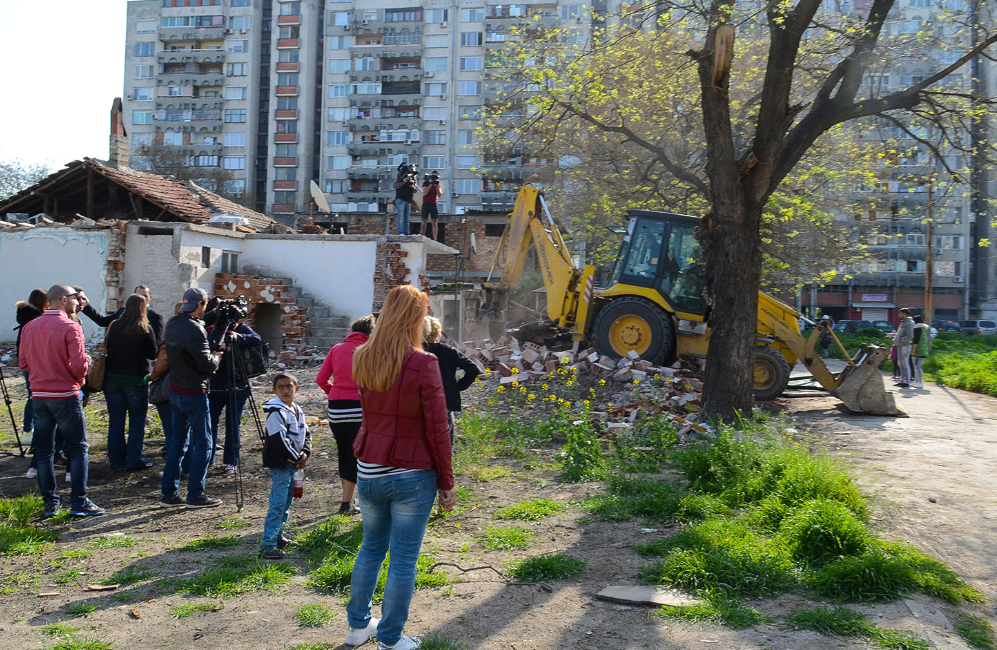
(32, 473)
(358, 635)
(919, 385)
(404, 643)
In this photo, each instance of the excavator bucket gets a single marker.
(860, 386)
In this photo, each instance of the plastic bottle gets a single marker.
(299, 483)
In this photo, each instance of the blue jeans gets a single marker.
(133, 401)
(281, 496)
(191, 426)
(403, 210)
(395, 510)
(28, 423)
(218, 401)
(67, 414)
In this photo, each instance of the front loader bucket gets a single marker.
(860, 386)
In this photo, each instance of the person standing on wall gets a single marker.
(191, 365)
(404, 197)
(430, 204)
(53, 354)
(335, 377)
(154, 318)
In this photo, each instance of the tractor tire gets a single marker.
(771, 374)
(632, 323)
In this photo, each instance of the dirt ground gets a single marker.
(932, 478)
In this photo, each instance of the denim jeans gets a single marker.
(918, 370)
(403, 210)
(903, 356)
(133, 401)
(28, 423)
(67, 414)
(395, 511)
(191, 427)
(219, 401)
(281, 496)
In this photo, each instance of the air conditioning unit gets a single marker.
(454, 195)
(364, 21)
(408, 141)
(229, 31)
(443, 23)
(958, 278)
(346, 28)
(343, 122)
(443, 121)
(243, 31)
(443, 96)
(428, 73)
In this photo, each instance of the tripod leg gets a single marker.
(10, 411)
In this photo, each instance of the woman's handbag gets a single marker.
(159, 390)
(95, 375)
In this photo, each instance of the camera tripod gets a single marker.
(10, 412)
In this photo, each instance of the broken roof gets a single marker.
(178, 200)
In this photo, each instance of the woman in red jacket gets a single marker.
(403, 459)
(336, 379)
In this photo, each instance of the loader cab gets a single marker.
(660, 254)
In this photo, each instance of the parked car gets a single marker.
(884, 326)
(982, 327)
(946, 325)
(853, 326)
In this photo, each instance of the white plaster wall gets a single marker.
(150, 260)
(192, 241)
(339, 274)
(42, 257)
(415, 261)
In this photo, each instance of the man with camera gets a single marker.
(405, 190)
(430, 201)
(191, 365)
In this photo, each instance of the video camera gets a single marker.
(408, 172)
(432, 178)
(232, 310)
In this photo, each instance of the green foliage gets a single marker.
(112, 541)
(608, 508)
(718, 608)
(541, 568)
(505, 538)
(81, 643)
(19, 511)
(437, 642)
(208, 543)
(645, 498)
(233, 523)
(81, 610)
(968, 370)
(582, 457)
(128, 576)
(836, 621)
(67, 576)
(694, 507)
(17, 534)
(189, 609)
(231, 576)
(820, 531)
(334, 534)
(975, 630)
(58, 629)
(896, 640)
(314, 615)
(531, 510)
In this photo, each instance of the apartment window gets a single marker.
(436, 137)
(145, 49)
(434, 113)
(339, 66)
(235, 114)
(140, 140)
(436, 88)
(472, 15)
(145, 26)
(285, 173)
(339, 90)
(235, 186)
(233, 162)
(287, 103)
(287, 56)
(235, 140)
(288, 31)
(470, 112)
(174, 91)
(949, 242)
(235, 92)
(470, 38)
(236, 69)
(337, 162)
(283, 198)
(472, 63)
(367, 88)
(467, 186)
(436, 15)
(206, 256)
(402, 15)
(434, 162)
(914, 239)
(287, 126)
(337, 138)
(364, 63)
(437, 40)
(239, 3)
(143, 72)
(290, 8)
(470, 88)
(286, 150)
(340, 42)
(173, 138)
(341, 18)
(338, 114)
(237, 46)
(287, 79)
(571, 12)
(143, 95)
(436, 63)
(336, 186)
(468, 162)
(141, 117)
(239, 22)
(204, 161)
(465, 136)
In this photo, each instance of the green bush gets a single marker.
(973, 371)
(701, 506)
(820, 531)
(582, 457)
(542, 568)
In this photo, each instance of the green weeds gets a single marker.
(505, 538)
(128, 576)
(231, 576)
(975, 630)
(314, 615)
(437, 642)
(717, 608)
(112, 541)
(189, 609)
(81, 610)
(81, 643)
(841, 621)
(18, 536)
(542, 568)
(582, 457)
(233, 523)
(531, 510)
(208, 543)
(58, 630)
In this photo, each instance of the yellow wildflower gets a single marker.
(515, 371)
(602, 382)
(636, 382)
(544, 387)
(515, 384)
(500, 389)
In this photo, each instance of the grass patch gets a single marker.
(719, 609)
(67, 576)
(231, 576)
(608, 507)
(189, 609)
(58, 630)
(312, 646)
(233, 523)
(542, 568)
(696, 507)
(128, 576)
(335, 535)
(81, 610)
(884, 637)
(830, 621)
(975, 630)
(18, 536)
(314, 615)
(644, 498)
(531, 510)
(81, 643)
(489, 473)
(505, 538)
(112, 541)
(208, 543)
(820, 531)
(437, 642)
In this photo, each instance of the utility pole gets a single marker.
(928, 267)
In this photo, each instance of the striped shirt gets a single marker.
(344, 410)
(370, 471)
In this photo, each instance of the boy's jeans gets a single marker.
(281, 496)
(395, 511)
(67, 414)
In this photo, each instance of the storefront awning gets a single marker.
(881, 305)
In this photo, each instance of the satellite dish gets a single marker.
(474, 243)
(319, 198)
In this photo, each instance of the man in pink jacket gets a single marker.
(53, 354)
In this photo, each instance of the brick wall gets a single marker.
(116, 293)
(294, 325)
(390, 271)
(458, 235)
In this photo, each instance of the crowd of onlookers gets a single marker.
(392, 389)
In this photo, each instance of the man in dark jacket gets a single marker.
(191, 365)
(155, 319)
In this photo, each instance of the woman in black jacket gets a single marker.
(450, 360)
(130, 345)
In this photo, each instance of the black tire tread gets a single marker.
(619, 306)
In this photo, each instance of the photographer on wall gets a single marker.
(405, 191)
(431, 193)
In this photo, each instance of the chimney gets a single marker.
(118, 155)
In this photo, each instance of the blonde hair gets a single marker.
(378, 362)
(431, 329)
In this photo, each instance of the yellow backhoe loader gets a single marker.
(654, 304)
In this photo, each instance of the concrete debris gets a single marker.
(645, 595)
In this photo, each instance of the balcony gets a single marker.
(177, 115)
(287, 66)
(191, 56)
(285, 137)
(285, 113)
(496, 199)
(191, 33)
(364, 123)
(506, 172)
(287, 43)
(285, 161)
(289, 20)
(285, 185)
(366, 197)
(359, 173)
(401, 74)
(283, 208)
(190, 79)
(286, 91)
